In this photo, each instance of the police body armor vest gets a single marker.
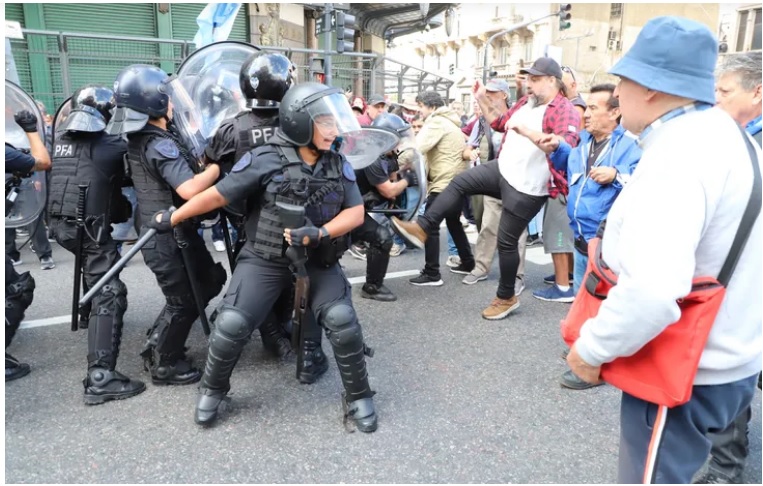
(73, 165)
(153, 193)
(252, 131)
(321, 197)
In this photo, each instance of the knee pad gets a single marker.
(21, 292)
(342, 326)
(112, 299)
(383, 238)
(233, 324)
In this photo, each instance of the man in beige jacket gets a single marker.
(442, 144)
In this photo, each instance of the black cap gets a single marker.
(544, 66)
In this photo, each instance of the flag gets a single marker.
(215, 23)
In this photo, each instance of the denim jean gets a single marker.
(452, 250)
(536, 224)
(581, 262)
(121, 231)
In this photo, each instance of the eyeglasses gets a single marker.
(569, 70)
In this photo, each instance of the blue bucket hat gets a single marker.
(673, 55)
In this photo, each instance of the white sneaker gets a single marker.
(396, 250)
(47, 263)
(453, 261)
(519, 285)
(219, 245)
(472, 228)
(18, 262)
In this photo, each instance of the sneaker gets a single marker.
(534, 240)
(424, 280)
(472, 279)
(712, 477)
(555, 294)
(519, 285)
(31, 248)
(47, 263)
(219, 245)
(500, 308)
(573, 382)
(358, 252)
(410, 231)
(462, 269)
(551, 279)
(471, 228)
(18, 262)
(453, 261)
(396, 250)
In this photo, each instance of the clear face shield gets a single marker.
(333, 118)
(186, 116)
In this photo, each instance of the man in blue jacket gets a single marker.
(597, 169)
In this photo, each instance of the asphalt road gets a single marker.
(460, 399)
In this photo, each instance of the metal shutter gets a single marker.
(184, 24)
(100, 60)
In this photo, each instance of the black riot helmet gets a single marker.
(309, 104)
(140, 93)
(265, 78)
(91, 107)
(391, 123)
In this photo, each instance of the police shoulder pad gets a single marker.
(244, 162)
(167, 148)
(348, 172)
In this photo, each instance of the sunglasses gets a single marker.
(568, 70)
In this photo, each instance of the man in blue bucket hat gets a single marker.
(692, 186)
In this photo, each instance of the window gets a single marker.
(528, 49)
(616, 10)
(612, 36)
(504, 55)
(749, 30)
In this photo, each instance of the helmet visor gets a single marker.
(332, 116)
(83, 119)
(364, 146)
(186, 116)
(407, 140)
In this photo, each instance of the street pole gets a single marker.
(327, 13)
(504, 32)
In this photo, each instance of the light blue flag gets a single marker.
(215, 23)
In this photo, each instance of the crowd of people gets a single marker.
(657, 166)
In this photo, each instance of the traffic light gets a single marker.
(565, 16)
(451, 69)
(345, 31)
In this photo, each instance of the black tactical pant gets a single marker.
(105, 311)
(255, 285)
(379, 239)
(172, 270)
(19, 292)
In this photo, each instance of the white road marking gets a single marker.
(52, 321)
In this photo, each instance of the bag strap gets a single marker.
(748, 218)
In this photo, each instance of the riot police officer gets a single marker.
(165, 174)
(84, 154)
(298, 166)
(264, 79)
(19, 288)
(377, 188)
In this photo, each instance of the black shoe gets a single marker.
(103, 385)
(275, 342)
(208, 405)
(313, 365)
(572, 381)
(13, 369)
(462, 269)
(179, 372)
(363, 413)
(380, 293)
(84, 322)
(424, 280)
(712, 477)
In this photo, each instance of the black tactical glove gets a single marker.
(160, 221)
(26, 120)
(410, 177)
(307, 236)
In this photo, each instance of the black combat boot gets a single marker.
(208, 405)
(274, 339)
(313, 363)
(377, 292)
(103, 385)
(175, 370)
(362, 412)
(13, 369)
